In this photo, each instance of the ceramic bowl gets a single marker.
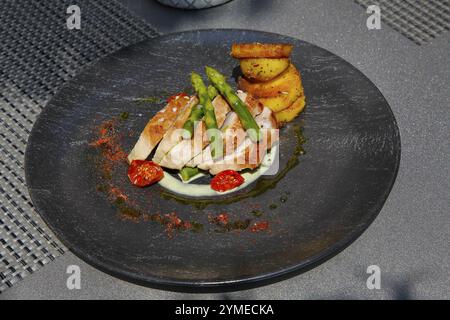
(192, 4)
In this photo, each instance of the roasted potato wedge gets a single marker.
(263, 69)
(292, 111)
(271, 88)
(283, 100)
(260, 50)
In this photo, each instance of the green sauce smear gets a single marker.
(149, 100)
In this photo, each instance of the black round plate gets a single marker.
(334, 193)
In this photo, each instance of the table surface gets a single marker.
(410, 239)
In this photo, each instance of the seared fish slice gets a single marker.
(156, 127)
(173, 136)
(184, 151)
(247, 155)
(232, 130)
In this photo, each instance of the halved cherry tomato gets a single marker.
(143, 173)
(226, 180)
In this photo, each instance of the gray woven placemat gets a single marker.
(38, 54)
(419, 21)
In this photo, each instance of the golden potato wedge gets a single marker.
(263, 69)
(292, 111)
(283, 100)
(271, 88)
(260, 50)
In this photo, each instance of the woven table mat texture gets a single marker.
(38, 54)
(419, 21)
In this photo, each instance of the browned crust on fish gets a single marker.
(154, 131)
(261, 50)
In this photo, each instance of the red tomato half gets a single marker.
(143, 173)
(226, 180)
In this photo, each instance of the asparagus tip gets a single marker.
(209, 69)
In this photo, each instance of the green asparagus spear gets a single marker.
(212, 92)
(210, 116)
(187, 173)
(246, 118)
(195, 115)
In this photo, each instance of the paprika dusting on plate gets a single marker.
(259, 226)
(223, 223)
(223, 218)
(108, 141)
(118, 193)
(173, 222)
(226, 180)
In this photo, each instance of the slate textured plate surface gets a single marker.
(334, 193)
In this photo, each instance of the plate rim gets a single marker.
(199, 286)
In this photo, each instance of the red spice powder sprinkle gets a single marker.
(101, 141)
(173, 222)
(223, 218)
(259, 226)
(108, 140)
(118, 193)
(173, 219)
